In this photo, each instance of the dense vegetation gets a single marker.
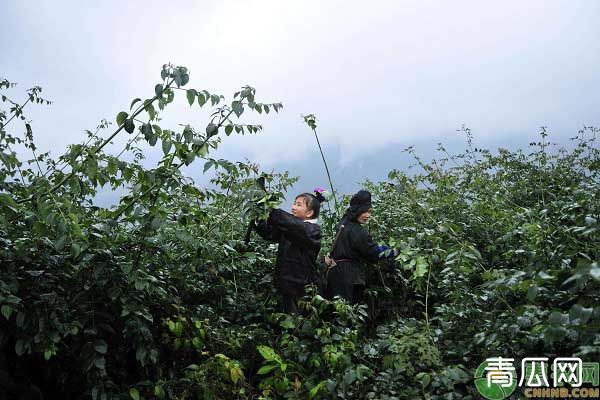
(159, 297)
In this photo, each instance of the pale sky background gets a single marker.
(379, 75)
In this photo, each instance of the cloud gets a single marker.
(376, 75)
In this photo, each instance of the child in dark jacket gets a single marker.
(299, 237)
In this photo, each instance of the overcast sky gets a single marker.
(379, 75)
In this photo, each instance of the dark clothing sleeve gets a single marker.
(355, 243)
(295, 230)
(267, 231)
(364, 245)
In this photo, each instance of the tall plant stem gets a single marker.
(427, 301)
(18, 109)
(327, 170)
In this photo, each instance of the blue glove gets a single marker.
(381, 249)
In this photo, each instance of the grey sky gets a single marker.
(379, 75)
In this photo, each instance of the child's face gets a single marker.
(364, 217)
(300, 209)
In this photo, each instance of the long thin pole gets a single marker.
(312, 126)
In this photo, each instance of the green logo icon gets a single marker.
(500, 384)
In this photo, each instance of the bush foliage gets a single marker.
(159, 296)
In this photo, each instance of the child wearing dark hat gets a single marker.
(352, 248)
(299, 237)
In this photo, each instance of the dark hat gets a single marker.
(359, 203)
(361, 199)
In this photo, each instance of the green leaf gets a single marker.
(158, 90)
(212, 129)
(207, 166)
(6, 311)
(197, 342)
(188, 134)
(288, 323)
(315, 390)
(135, 395)
(147, 131)
(133, 102)
(7, 200)
(150, 110)
(178, 328)
(171, 325)
(112, 166)
(100, 346)
(237, 107)
(154, 138)
(236, 374)
(203, 150)
(189, 157)
(185, 79)
(127, 173)
(425, 379)
(76, 250)
(201, 99)
(265, 369)
(129, 125)
(121, 117)
(181, 76)
(159, 392)
(177, 78)
(191, 96)
(228, 129)
(92, 167)
(422, 267)
(268, 353)
(166, 146)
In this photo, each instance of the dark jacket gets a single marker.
(299, 245)
(353, 248)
